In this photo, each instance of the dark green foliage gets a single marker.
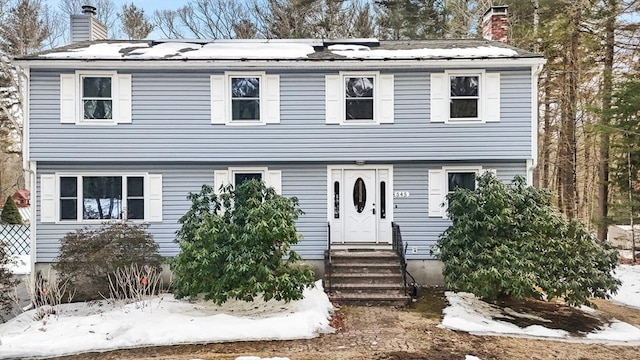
(509, 241)
(411, 19)
(238, 246)
(88, 256)
(10, 213)
(7, 281)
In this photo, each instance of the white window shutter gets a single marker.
(153, 206)
(220, 178)
(439, 98)
(274, 180)
(124, 98)
(69, 101)
(47, 198)
(385, 103)
(491, 106)
(218, 100)
(333, 100)
(437, 191)
(273, 99)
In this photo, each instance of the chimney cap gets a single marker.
(497, 9)
(88, 10)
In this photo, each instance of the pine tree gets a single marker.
(22, 30)
(10, 213)
(411, 19)
(135, 24)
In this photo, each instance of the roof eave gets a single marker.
(279, 63)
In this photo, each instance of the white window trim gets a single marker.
(343, 97)
(459, 169)
(79, 197)
(271, 178)
(247, 170)
(228, 96)
(481, 95)
(80, 120)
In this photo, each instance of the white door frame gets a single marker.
(383, 172)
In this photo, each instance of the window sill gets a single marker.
(96, 123)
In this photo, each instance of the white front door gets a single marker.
(360, 196)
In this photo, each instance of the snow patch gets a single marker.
(163, 320)
(21, 265)
(97, 51)
(425, 53)
(629, 292)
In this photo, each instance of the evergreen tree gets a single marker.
(135, 24)
(411, 19)
(10, 213)
(22, 30)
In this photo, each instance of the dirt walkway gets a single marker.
(385, 333)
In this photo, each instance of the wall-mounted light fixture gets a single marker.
(359, 162)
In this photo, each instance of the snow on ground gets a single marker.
(629, 292)
(21, 265)
(163, 320)
(470, 314)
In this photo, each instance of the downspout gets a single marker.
(533, 162)
(28, 167)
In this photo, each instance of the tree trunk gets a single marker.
(605, 120)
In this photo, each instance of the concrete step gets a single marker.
(370, 300)
(364, 257)
(360, 287)
(368, 268)
(361, 278)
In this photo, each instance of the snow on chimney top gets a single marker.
(495, 24)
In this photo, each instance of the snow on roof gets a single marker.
(282, 49)
(188, 50)
(364, 52)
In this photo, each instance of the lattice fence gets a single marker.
(17, 239)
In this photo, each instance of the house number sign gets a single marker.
(401, 194)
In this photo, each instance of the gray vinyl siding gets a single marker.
(308, 183)
(171, 123)
(412, 213)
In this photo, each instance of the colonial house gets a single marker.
(367, 134)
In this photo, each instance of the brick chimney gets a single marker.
(495, 24)
(86, 26)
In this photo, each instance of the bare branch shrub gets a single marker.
(47, 293)
(135, 284)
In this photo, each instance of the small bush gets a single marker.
(7, 281)
(10, 213)
(510, 241)
(238, 246)
(89, 256)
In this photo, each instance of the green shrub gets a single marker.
(510, 241)
(10, 213)
(89, 256)
(238, 246)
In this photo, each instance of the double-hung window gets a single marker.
(95, 98)
(97, 197)
(245, 98)
(465, 96)
(359, 98)
(464, 99)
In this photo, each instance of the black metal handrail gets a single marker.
(396, 236)
(328, 264)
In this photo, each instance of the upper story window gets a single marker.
(251, 98)
(95, 98)
(359, 98)
(97, 101)
(98, 197)
(245, 98)
(465, 96)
